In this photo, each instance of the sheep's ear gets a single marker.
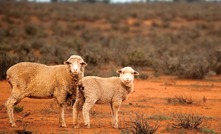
(67, 63)
(83, 63)
(119, 71)
(136, 73)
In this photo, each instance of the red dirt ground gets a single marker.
(149, 98)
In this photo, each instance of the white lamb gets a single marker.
(36, 80)
(97, 90)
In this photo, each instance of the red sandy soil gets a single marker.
(150, 98)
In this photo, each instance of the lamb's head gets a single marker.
(76, 64)
(127, 75)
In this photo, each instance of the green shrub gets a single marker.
(18, 109)
(192, 68)
(37, 44)
(188, 121)
(6, 61)
(95, 54)
(143, 76)
(140, 125)
(164, 40)
(180, 100)
(31, 30)
(159, 117)
(23, 131)
(207, 131)
(137, 58)
(215, 61)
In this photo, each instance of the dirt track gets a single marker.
(150, 98)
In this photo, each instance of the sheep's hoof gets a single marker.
(13, 125)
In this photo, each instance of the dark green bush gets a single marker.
(6, 61)
(31, 30)
(143, 76)
(140, 125)
(18, 109)
(37, 44)
(183, 100)
(137, 58)
(215, 61)
(188, 121)
(192, 67)
(160, 36)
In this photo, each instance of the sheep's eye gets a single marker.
(67, 62)
(82, 63)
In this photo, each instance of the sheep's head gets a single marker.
(127, 75)
(76, 64)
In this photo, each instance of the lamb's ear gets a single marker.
(136, 73)
(119, 71)
(83, 63)
(67, 63)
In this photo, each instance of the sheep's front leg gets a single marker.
(61, 101)
(86, 109)
(115, 106)
(10, 110)
(61, 117)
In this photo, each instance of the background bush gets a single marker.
(173, 39)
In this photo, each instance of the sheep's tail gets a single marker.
(8, 78)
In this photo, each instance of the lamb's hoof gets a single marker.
(87, 126)
(64, 125)
(115, 126)
(76, 126)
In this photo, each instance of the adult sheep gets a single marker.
(97, 90)
(36, 80)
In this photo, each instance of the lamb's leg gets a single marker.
(10, 109)
(112, 111)
(75, 114)
(76, 108)
(115, 108)
(86, 108)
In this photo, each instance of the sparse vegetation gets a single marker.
(173, 39)
(18, 109)
(178, 39)
(205, 130)
(140, 125)
(23, 132)
(182, 99)
(159, 117)
(188, 121)
(143, 76)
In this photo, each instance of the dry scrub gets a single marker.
(174, 39)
